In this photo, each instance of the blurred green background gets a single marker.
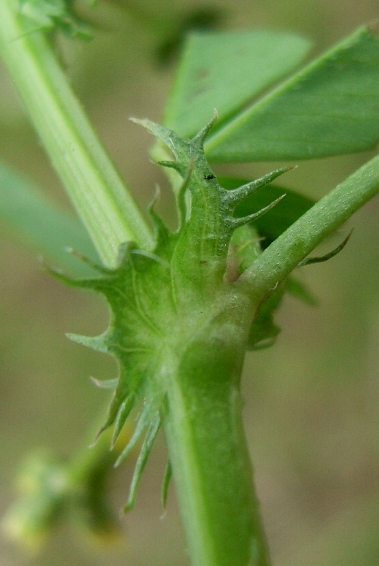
(311, 402)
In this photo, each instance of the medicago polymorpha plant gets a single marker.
(187, 303)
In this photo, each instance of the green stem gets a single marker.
(94, 186)
(213, 480)
(286, 252)
(208, 450)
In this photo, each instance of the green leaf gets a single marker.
(280, 217)
(329, 108)
(225, 71)
(35, 221)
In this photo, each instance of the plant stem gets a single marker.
(286, 252)
(94, 186)
(213, 480)
(208, 450)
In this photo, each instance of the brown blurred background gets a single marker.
(311, 402)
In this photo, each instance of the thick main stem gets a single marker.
(210, 459)
(99, 195)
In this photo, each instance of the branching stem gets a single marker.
(287, 251)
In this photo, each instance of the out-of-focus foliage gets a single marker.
(42, 224)
(51, 14)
